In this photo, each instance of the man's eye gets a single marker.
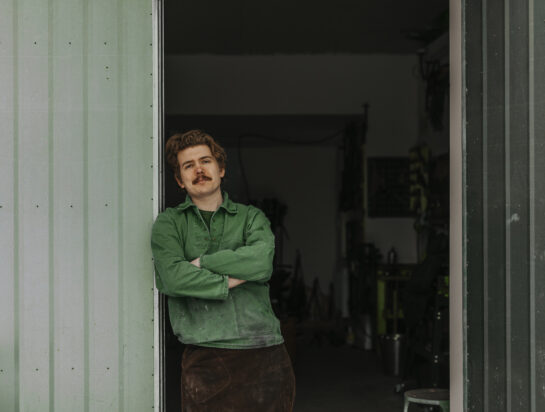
(206, 161)
(187, 167)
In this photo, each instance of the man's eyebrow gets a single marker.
(200, 158)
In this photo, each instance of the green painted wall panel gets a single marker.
(77, 205)
(494, 209)
(474, 218)
(67, 100)
(137, 165)
(537, 199)
(8, 211)
(34, 225)
(505, 84)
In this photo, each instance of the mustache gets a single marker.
(203, 177)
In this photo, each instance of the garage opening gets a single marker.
(335, 122)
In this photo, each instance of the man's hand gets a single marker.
(233, 282)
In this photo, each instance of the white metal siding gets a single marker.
(76, 207)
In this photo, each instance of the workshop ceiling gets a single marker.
(301, 26)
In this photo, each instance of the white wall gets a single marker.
(302, 85)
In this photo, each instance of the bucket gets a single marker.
(392, 348)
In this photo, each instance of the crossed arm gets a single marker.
(211, 276)
(233, 282)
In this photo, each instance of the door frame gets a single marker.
(458, 367)
(457, 321)
(159, 198)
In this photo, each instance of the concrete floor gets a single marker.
(343, 379)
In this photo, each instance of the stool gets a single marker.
(437, 397)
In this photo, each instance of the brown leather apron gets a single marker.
(256, 380)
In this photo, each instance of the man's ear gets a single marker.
(179, 182)
(222, 172)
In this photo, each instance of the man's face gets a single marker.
(199, 171)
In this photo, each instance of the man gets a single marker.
(213, 258)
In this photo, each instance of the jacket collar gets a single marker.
(227, 204)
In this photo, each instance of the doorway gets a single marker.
(291, 117)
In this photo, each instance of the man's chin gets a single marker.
(203, 191)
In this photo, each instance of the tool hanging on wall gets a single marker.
(419, 178)
(435, 74)
(419, 157)
(351, 196)
(297, 300)
(276, 212)
(315, 305)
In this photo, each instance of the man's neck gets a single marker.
(209, 203)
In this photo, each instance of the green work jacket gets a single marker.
(203, 310)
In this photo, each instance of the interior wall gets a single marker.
(303, 85)
(298, 84)
(240, 27)
(304, 179)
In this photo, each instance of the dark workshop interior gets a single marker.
(335, 119)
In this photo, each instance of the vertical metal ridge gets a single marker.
(51, 205)
(158, 197)
(531, 204)
(120, 249)
(486, 363)
(85, 98)
(507, 126)
(16, 271)
(464, 235)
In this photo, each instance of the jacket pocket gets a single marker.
(198, 321)
(254, 314)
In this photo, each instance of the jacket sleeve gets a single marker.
(175, 276)
(251, 262)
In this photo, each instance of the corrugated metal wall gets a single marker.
(505, 205)
(76, 208)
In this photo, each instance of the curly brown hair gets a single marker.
(180, 141)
